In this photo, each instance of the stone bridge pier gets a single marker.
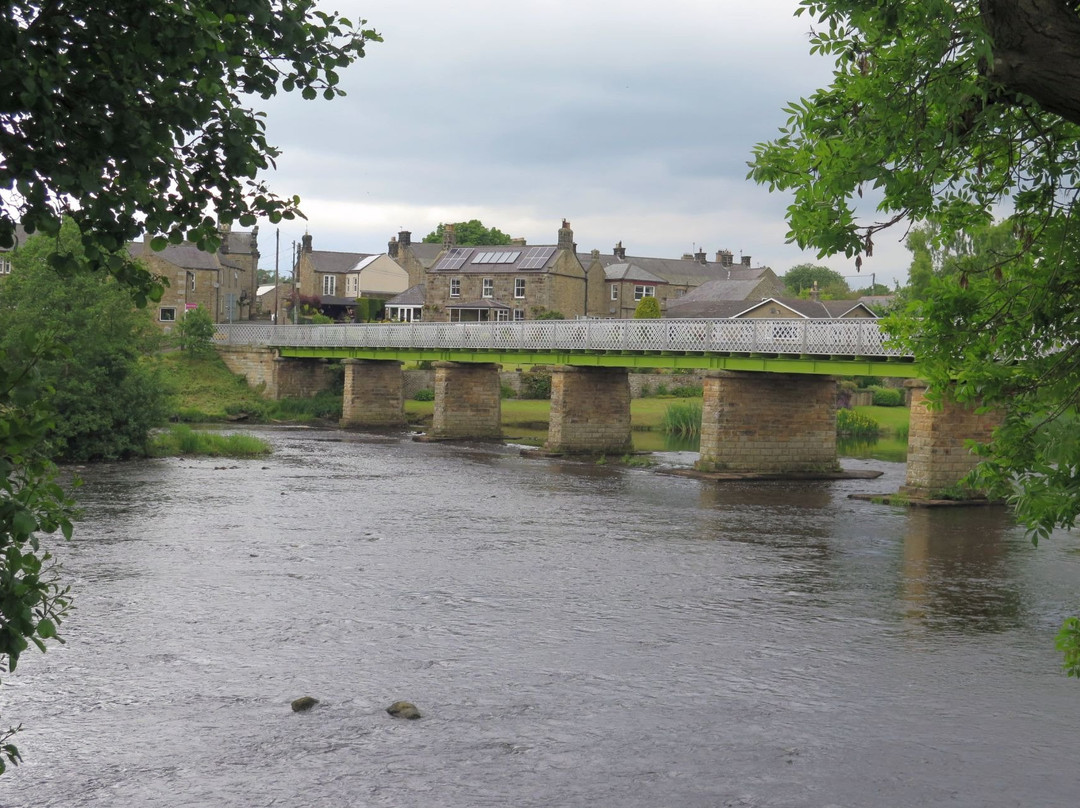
(767, 423)
(468, 402)
(938, 457)
(590, 411)
(373, 394)
(278, 376)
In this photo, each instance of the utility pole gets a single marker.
(277, 256)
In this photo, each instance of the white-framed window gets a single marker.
(502, 315)
(5, 265)
(329, 285)
(455, 287)
(167, 314)
(519, 314)
(614, 291)
(489, 287)
(519, 288)
(644, 291)
(191, 281)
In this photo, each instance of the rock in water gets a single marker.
(304, 703)
(403, 709)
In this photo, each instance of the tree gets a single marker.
(469, 234)
(648, 308)
(126, 129)
(945, 112)
(128, 117)
(800, 279)
(104, 397)
(195, 332)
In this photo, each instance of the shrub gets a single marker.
(506, 391)
(888, 397)
(648, 308)
(536, 384)
(427, 394)
(688, 391)
(856, 425)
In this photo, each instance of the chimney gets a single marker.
(305, 243)
(391, 247)
(620, 251)
(518, 241)
(746, 260)
(595, 255)
(699, 256)
(566, 237)
(404, 238)
(724, 258)
(814, 294)
(449, 237)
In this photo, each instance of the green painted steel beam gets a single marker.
(817, 365)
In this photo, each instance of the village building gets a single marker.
(338, 280)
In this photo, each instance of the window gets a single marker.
(518, 315)
(489, 287)
(329, 285)
(614, 291)
(191, 281)
(644, 291)
(455, 287)
(519, 288)
(502, 315)
(167, 315)
(5, 265)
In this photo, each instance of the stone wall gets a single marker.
(278, 377)
(768, 423)
(467, 402)
(937, 453)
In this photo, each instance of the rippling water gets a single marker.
(575, 635)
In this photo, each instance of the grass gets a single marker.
(181, 439)
(893, 420)
(682, 418)
(203, 389)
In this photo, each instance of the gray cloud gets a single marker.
(633, 121)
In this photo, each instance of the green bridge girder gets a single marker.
(819, 365)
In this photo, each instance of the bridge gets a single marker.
(769, 405)
(855, 347)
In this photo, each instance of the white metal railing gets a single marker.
(793, 337)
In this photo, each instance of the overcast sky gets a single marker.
(632, 120)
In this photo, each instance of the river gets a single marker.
(574, 635)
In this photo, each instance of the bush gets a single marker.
(536, 384)
(856, 425)
(195, 332)
(648, 308)
(688, 391)
(888, 397)
(506, 391)
(427, 394)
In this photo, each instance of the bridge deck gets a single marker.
(841, 347)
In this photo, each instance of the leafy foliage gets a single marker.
(33, 602)
(469, 234)
(943, 112)
(127, 130)
(648, 308)
(195, 332)
(856, 424)
(105, 398)
(800, 279)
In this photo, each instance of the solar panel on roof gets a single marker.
(536, 257)
(454, 259)
(509, 257)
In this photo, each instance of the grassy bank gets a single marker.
(182, 440)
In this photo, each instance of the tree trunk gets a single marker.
(1036, 45)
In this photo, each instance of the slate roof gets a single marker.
(413, 296)
(337, 262)
(678, 271)
(185, 255)
(686, 307)
(426, 254)
(630, 272)
(517, 266)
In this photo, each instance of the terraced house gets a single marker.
(339, 279)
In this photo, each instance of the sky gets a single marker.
(633, 120)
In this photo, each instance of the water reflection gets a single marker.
(958, 573)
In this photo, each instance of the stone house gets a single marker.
(617, 282)
(223, 282)
(270, 298)
(492, 283)
(339, 279)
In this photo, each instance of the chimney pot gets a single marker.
(746, 260)
(404, 238)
